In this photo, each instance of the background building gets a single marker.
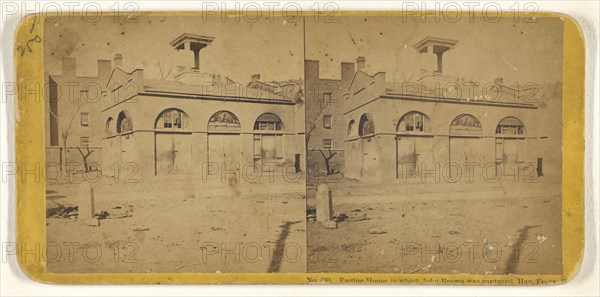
(325, 123)
(73, 138)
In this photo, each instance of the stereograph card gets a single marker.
(355, 148)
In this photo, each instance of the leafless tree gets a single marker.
(85, 156)
(327, 159)
(311, 125)
(65, 128)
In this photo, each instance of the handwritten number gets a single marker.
(37, 39)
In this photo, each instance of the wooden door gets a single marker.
(173, 153)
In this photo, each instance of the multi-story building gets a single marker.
(325, 122)
(72, 119)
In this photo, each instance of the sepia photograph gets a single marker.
(404, 145)
(368, 144)
(175, 144)
(434, 147)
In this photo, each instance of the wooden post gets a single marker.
(86, 210)
(324, 203)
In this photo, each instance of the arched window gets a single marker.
(109, 126)
(268, 122)
(352, 129)
(465, 124)
(224, 121)
(124, 123)
(510, 126)
(414, 122)
(173, 119)
(366, 125)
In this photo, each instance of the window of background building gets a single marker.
(84, 141)
(85, 119)
(326, 99)
(327, 143)
(327, 121)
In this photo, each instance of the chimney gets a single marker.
(118, 60)
(255, 77)
(311, 70)
(360, 63)
(104, 68)
(347, 72)
(499, 81)
(68, 67)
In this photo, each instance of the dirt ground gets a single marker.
(462, 228)
(215, 226)
(179, 226)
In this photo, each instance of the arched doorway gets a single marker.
(124, 122)
(368, 148)
(268, 139)
(172, 143)
(224, 140)
(510, 145)
(465, 141)
(414, 144)
(127, 150)
(352, 132)
(353, 151)
(366, 126)
(108, 129)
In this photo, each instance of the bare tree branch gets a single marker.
(161, 70)
(65, 130)
(313, 124)
(85, 157)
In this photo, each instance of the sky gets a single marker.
(515, 51)
(273, 49)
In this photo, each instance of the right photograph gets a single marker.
(434, 145)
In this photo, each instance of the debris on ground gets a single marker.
(358, 218)
(377, 230)
(330, 224)
(311, 214)
(62, 212)
(140, 228)
(122, 213)
(340, 217)
(92, 222)
(117, 212)
(102, 215)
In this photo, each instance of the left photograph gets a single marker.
(175, 144)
